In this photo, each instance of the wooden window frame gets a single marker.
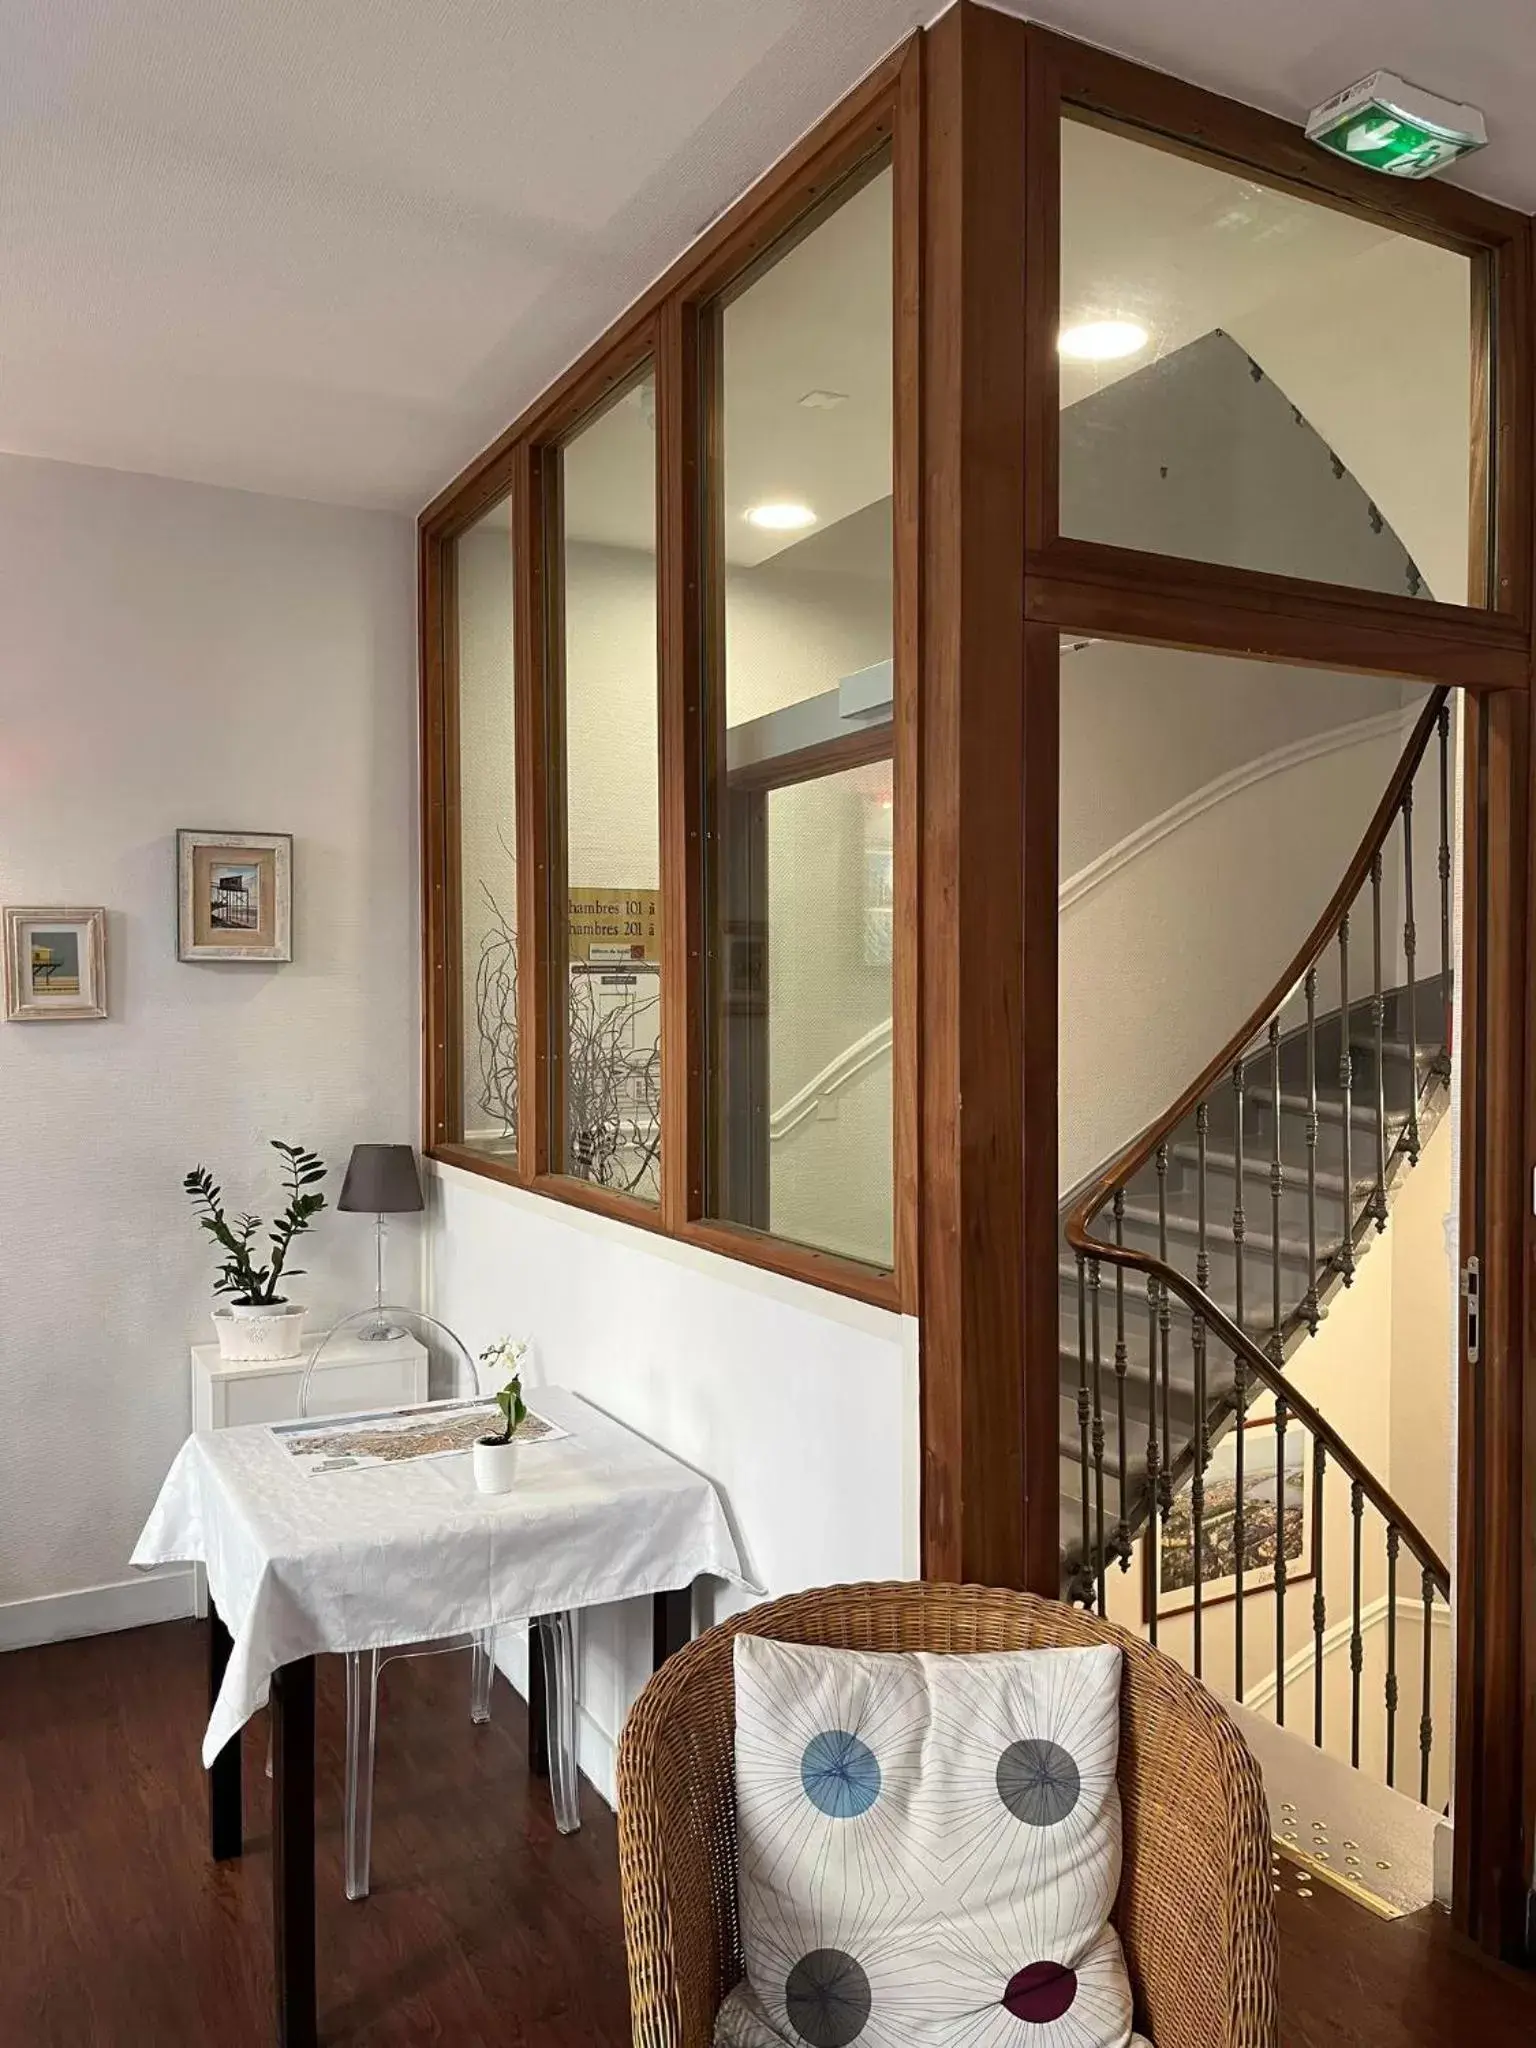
(1177, 601)
(666, 324)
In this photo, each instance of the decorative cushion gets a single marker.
(929, 1850)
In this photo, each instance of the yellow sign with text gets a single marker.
(615, 927)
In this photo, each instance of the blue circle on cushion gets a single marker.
(840, 1774)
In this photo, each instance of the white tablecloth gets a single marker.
(301, 1564)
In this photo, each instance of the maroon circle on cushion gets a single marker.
(1040, 1992)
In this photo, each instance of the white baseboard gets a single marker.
(596, 1749)
(139, 1602)
(1444, 1844)
(1373, 1615)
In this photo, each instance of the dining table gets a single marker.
(307, 1556)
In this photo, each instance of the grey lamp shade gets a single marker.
(381, 1180)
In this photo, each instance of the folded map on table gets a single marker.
(391, 1436)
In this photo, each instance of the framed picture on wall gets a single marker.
(234, 895)
(55, 965)
(1268, 1510)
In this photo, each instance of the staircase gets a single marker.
(1198, 1263)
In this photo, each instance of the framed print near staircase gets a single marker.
(1250, 1499)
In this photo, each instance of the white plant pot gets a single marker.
(495, 1466)
(263, 1333)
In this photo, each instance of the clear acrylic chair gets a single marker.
(551, 1638)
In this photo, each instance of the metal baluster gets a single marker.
(1122, 1362)
(1309, 1305)
(1094, 1281)
(1356, 1646)
(1239, 1225)
(1282, 1414)
(1202, 1250)
(1410, 947)
(1392, 1549)
(1084, 1405)
(1379, 1019)
(1426, 1698)
(1197, 1482)
(1154, 1474)
(1165, 1498)
(1346, 1256)
(1319, 1602)
(1276, 1190)
(1239, 1519)
(1444, 865)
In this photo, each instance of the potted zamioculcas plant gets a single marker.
(495, 1457)
(259, 1321)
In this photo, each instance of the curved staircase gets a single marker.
(1205, 1256)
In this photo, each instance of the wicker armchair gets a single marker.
(1195, 1911)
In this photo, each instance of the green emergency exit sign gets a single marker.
(1389, 125)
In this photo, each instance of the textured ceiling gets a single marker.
(330, 251)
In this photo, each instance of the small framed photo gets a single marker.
(234, 895)
(55, 965)
(1277, 1507)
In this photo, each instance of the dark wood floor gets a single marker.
(485, 1929)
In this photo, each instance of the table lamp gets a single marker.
(381, 1180)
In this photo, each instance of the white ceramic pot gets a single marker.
(268, 1331)
(495, 1465)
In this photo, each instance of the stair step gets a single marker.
(1331, 1111)
(1069, 1445)
(1395, 1048)
(1295, 1177)
(1395, 1836)
(1181, 1390)
(1256, 1322)
(1256, 1244)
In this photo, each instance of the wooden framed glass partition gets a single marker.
(598, 1022)
(980, 119)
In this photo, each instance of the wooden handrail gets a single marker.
(1135, 1156)
(1296, 1403)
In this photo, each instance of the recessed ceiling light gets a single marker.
(1102, 341)
(781, 518)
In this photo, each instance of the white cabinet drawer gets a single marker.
(274, 1397)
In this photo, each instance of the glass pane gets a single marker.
(612, 1068)
(487, 836)
(803, 890)
(1252, 378)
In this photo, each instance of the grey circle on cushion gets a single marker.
(1038, 1782)
(827, 1998)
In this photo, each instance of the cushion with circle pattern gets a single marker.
(928, 1850)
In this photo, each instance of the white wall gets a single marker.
(1143, 727)
(1396, 408)
(177, 655)
(1164, 956)
(801, 1406)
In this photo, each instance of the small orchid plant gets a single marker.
(507, 1356)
